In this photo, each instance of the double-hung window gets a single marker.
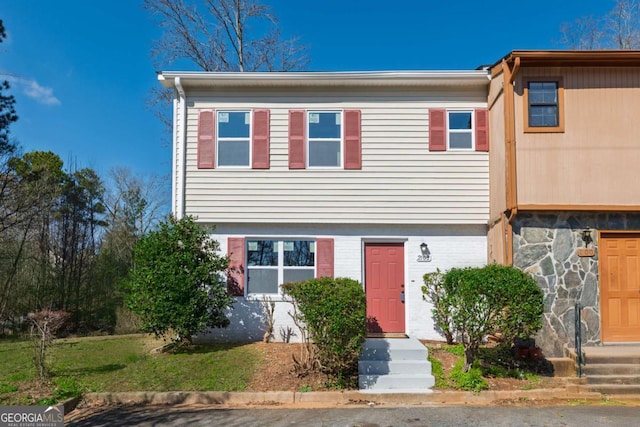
(543, 99)
(460, 132)
(271, 262)
(325, 139)
(234, 138)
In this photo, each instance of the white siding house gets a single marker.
(340, 174)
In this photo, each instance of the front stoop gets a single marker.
(612, 369)
(394, 365)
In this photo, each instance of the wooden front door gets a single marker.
(384, 285)
(620, 286)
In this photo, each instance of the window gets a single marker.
(325, 139)
(234, 138)
(273, 262)
(543, 99)
(460, 130)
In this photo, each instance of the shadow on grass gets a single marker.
(112, 367)
(13, 345)
(207, 348)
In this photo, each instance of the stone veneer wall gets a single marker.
(545, 244)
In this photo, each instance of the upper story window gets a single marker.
(460, 130)
(543, 101)
(271, 262)
(234, 138)
(325, 139)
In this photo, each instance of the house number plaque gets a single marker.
(585, 252)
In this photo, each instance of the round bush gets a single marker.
(334, 313)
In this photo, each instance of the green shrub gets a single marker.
(333, 312)
(490, 300)
(176, 285)
(470, 380)
(433, 291)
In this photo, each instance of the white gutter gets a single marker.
(326, 79)
(328, 75)
(179, 151)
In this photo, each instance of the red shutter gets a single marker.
(324, 257)
(352, 140)
(297, 139)
(437, 130)
(260, 140)
(206, 140)
(235, 273)
(482, 130)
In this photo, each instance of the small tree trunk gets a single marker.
(449, 337)
(470, 353)
(43, 353)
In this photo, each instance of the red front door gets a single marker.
(384, 285)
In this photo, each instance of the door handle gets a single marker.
(401, 296)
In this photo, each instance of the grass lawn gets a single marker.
(122, 364)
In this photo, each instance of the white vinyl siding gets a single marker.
(400, 181)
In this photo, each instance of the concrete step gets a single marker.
(591, 369)
(394, 365)
(614, 388)
(614, 379)
(393, 349)
(382, 367)
(396, 381)
(617, 354)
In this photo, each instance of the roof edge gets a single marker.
(330, 78)
(548, 58)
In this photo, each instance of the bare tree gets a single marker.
(223, 35)
(623, 24)
(618, 29)
(134, 205)
(582, 34)
(218, 35)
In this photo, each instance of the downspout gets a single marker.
(510, 138)
(174, 155)
(180, 150)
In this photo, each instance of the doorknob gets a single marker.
(401, 296)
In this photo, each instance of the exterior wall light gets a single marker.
(586, 236)
(425, 253)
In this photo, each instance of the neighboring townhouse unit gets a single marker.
(377, 176)
(565, 199)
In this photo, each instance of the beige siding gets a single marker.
(497, 191)
(595, 161)
(400, 181)
(496, 242)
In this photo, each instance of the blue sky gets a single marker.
(81, 69)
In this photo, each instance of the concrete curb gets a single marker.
(300, 399)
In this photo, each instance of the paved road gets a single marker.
(582, 416)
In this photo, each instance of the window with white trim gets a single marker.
(271, 262)
(324, 139)
(460, 131)
(234, 138)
